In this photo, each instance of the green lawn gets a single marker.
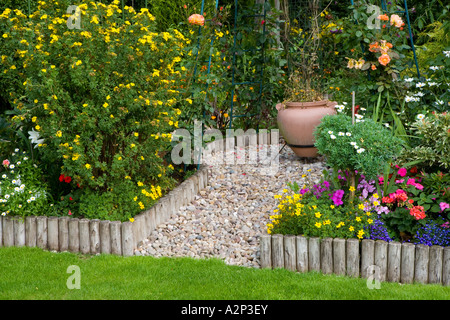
(31, 273)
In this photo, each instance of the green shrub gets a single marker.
(433, 150)
(365, 146)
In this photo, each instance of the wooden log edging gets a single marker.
(380, 260)
(97, 236)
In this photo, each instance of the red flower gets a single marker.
(413, 170)
(67, 179)
(264, 21)
(70, 198)
(61, 178)
(417, 212)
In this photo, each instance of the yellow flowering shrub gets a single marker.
(102, 97)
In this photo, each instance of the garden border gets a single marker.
(393, 261)
(97, 236)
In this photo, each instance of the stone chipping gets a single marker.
(226, 218)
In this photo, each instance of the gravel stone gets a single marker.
(226, 218)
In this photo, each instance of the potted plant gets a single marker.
(305, 104)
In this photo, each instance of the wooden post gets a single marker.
(314, 254)
(435, 268)
(19, 232)
(339, 258)
(105, 237)
(41, 232)
(367, 256)
(1, 231)
(446, 267)
(302, 254)
(352, 258)
(394, 259)
(30, 231)
(326, 255)
(127, 239)
(407, 263)
(63, 233)
(290, 254)
(421, 263)
(52, 233)
(8, 231)
(74, 235)
(381, 258)
(116, 237)
(94, 236)
(85, 246)
(277, 251)
(265, 256)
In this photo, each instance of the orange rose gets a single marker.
(196, 19)
(374, 67)
(383, 17)
(384, 59)
(373, 47)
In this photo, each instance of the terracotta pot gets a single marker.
(297, 121)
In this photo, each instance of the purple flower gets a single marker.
(304, 190)
(337, 197)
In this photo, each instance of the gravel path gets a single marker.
(226, 218)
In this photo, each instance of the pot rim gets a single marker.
(308, 104)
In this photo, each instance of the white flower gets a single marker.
(419, 94)
(361, 150)
(32, 198)
(330, 132)
(344, 103)
(3, 213)
(353, 143)
(434, 68)
(447, 53)
(25, 158)
(11, 166)
(439, 102)
(4, 176)
(408, 79)
(333, 136)
(6, 196)
(17, 189)
(341, 134)
(20, 206)
(386, 125)
(359, 116)
(16, 150)
(431, 84)
(34, 137)
(348, 134)
(420, 84)
(29, 201)
(420, 116)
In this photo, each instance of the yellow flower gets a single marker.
(369, 221)
(358, 219)
(105, 105)
(132, 219)
(352, 188)
(361, 206)
(88, 166)
(318, 225)
(376, 203)
(37, 127)
(351, 228)
(59, 133)
(317, 214)
(376, 196)
(136, 134)
(78, 62)
(332, 206)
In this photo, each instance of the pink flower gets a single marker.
(402, 172)
(444, 205)
(397, 21)
(6, 162)
(417, 212)
(70, 213)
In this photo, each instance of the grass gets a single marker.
(34, 274)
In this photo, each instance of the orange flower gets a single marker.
(383, 17)
(374, 67)
(384, 59)
(373, 47)
(196, 19)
